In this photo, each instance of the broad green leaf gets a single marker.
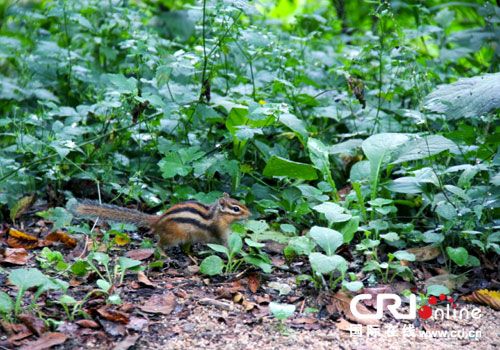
(329, 240)
(258, 261)
(79, 267)
(425, 147)
(360, 171)
(101, 258)
(293, 123)
(235, 244)
(67, 300)
(379, 149)
(324, 264)
(103, 284)
(179, 162)
(122, 84)
(350, 228)
(127, 263)
(404, 255)
(211, 265)
(59, 216)
(219, 248)
(301, 245)
(6, 304)
(467, 97)
(459, 255)
(353, 286)
(446, 211)
(278, 166)
(437, 290)
(318, 153)
(333, 212)
(390, 237)
(27, 278)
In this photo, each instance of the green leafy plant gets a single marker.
(235, 256)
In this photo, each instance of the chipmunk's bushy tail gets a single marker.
(89, 209)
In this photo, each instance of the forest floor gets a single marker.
(176, 307)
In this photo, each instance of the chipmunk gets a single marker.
(183, 223)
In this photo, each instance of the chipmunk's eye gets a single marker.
(236, 209)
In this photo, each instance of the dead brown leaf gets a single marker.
(113, 315)
(374, 291)
(143, 279)
(217, 303)
(15, 339)
(344, 325)
(88, 324)
(160, 304)
(47, 341)
(63, 237)
(128, 342)
(16, 256)
(309, 323)
(485, 297)
(248, 305)
(448, 280)
(112, 328)
(253, 282)
(238, 297)
(12, 328)
(137, 323)
(140, 254)
(340, 302)
(21, 206)
(426, 253)
(34, 324)
(18, 239)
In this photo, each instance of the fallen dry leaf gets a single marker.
(63, 237)
(113, 315)
(112, 328)
(142, 278)
(34, 324)
(16, 256)
(253, 282)
(448, 280)
(88, 324)
(344, 325)
(309, 323)
(217, 303)
(18, 239)
(137, 323)
(140, 254)
(426, 253)
(374, 291)
(248, 305)
(128, 342)
(485, 297)
(238, 297)
(16, 338)
(47, 341)
(160, 304)
(21, 206)
(341, 302)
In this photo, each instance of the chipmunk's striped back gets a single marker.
(189, 221)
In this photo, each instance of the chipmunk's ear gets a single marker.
(223, 199)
